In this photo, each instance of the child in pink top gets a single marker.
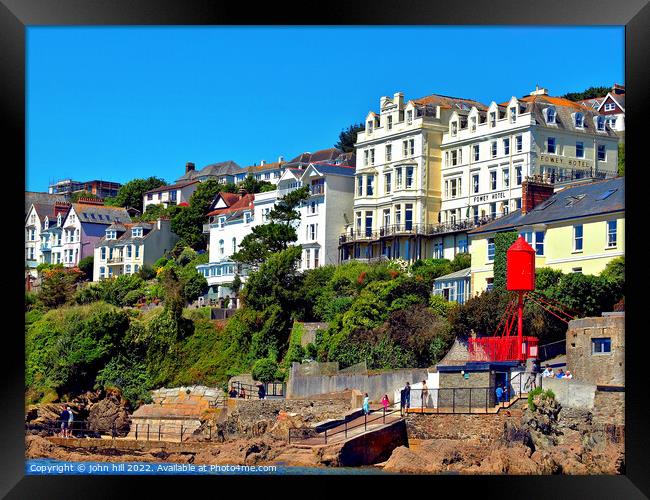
(385, 402)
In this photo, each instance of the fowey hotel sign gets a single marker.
(561, 161)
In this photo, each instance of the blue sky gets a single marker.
(119, 103)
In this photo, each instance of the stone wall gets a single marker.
(571, 393)
(468, 391)
(609, 408)
(373, 447)
(599, 369)
(309, 332)
(375, 385)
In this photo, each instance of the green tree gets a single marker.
(86, 266)
(285, 210)
(590, 93)
(621, 159)
(502, 241)
(348, 137)
(615, 271)
(194, 287)
(74, 197)
(132, 193)
(461, 261)
(252, 185)
(58, 287)
(265, 370)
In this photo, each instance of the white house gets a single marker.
(174, 194)
(612, 105)
(126, 248)
(43, 224)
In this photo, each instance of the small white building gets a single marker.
(126, 248)
(174, 194)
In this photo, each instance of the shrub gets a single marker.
(532, 395)
(194, 287)
(146, 273)
(502, 241)
(265, 370)
(86, 267)
(440, 306)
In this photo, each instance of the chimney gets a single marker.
(618, 89)
(398, 98)
(280, 159)
(262, 163)
(242, 192)
(534, 192)
(539, 91)
(91, 201)
(189, 167)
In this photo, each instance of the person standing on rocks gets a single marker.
(425, 394)
(366, 404)
(261, 392)
(407, 396)
(70, 421)
(64, 422)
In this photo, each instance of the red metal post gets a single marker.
(520, 324)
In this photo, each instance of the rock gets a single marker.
(108, 413)
(509, 460)
(405, 461)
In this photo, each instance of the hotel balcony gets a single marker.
(46, 247)
(119, 259)
(395, 230)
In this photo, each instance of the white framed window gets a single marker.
(539, 242)
(513, 114)
(137, 251)
(389, 152)
(366, 155)
(611, 233)
(307, 257)
(372, 156)
(580, 120)
(313, 231)
(493, 210)
(602, 345)
(550, 115)
(221, 247)
(313, 207)
(493, 180)
(248, 217)
(360, 185)
(411, 147)
(409, 177)
(398, 214)
(370, 188)
(128, 269)
(493, 149)
(602, 153)
(389, 122)
(610, 106)
(398, 178)
(102, 271)
(409, 116)
(454, 128)
(580, 149)
(234, 245)
(129, 251)
(490, 249)
(519, 146)
(386, 217)
(518, 175)
(472, 124)
(387, 182)
(550, 145)
(577, 238)
(222, 222)
(493, 119)
(475, 183)
(600, 123)
(136, 232)
(505, 177)
(454, 157)
(506, 146)
(476, 152)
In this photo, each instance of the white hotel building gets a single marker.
(323, 217)
(487, 154)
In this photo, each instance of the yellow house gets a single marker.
(578, 229)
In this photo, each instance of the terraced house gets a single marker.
(126, 247)
(578, 229)
(398, 191)
(43, 233)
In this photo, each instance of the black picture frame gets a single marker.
(16, 15)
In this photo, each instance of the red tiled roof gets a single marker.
(557, 101)
(244, 202)
(229, 198)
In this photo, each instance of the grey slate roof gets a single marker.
(41, 198)
(463, 273)
(214, 170)
(581, 200)
(98, 214)
(325, 168)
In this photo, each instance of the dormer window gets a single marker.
(222, 222)
(550, 116)
(369, 127)
(389, 122)
(409, 116)
(472, 124)
(493, 119)
(600, 121)
(513, 114)
(111, 234)
(580, 120)
(136, 232)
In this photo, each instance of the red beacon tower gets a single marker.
(520, 277)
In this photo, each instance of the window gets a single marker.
(610, 106)
(368, 223)
(137, 251)
(387, 183)
(493, 210)
(550, 145)
(602, 154)
(387, 217)
(580, 150)
(409, 177)
(370, 181)
(172, 195)
(539, 242)
(307, 257)
(369, 126)
(611, 233)
(159, 196)
(110, 235)
(398, 214)
(409, 116)
(438, 250)
(365, 158)
(102, 271)
(248, 217)
(476, 152)
(234, 245)
(129, 250)
(221, 247)
(513, 114)
(518, 175)
(389, 152)
(316, 254)
(601, 345)
(462, 246)
(490, 250)
(600, 123)
(612, 122)
(493, 149)
(150, 196)
(454, 157)
(405, 149)
(580, 120)
(411, 147)
(408, 216)
(550, 115)
(454, 128)
(360, 185)
(46, 224)
(493, 119)
(493, 180)
(506, 146)
(390, 127)
(518, 143)
(399, 178)
(447, 158)
(128, 269)
(517, 203)
(136, 232)
(313, 207)
(577, 238)
(372, 156)
(452, 183)
(475, 183)
(505, 177)
(222, 222)
(472, 124)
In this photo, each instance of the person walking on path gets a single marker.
(385, 402)
(425, 394)
(407, 396)
(70, 421)
(261, 392)
(64, 421)
(402, 400)
(366, 404)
